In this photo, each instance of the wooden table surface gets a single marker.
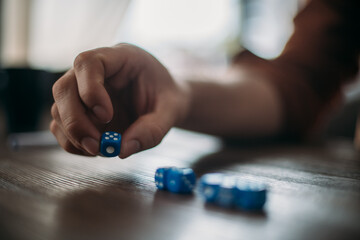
(314, 193)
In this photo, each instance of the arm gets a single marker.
(125, 89)
(246, 107)
(319, 59)
(294, 94)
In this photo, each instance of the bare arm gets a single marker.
(246, 107)
(292, 95)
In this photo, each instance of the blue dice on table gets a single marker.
(250, 195)
(227, 192)
(209, 186)
(161, 178)
(232, 191)
(181, 180)
(110, 144)
(176, 180)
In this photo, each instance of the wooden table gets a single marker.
(314, 193)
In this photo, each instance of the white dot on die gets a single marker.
(107, 138)
(107, 133)
(110, 149)
(111, 136)
(115, 139)
(115, 134)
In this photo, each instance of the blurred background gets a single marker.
(39, 40)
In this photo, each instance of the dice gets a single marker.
(110, 144)
(209, 186)
(231, 191)
(181, 180)
(161, 177)
(250, 195)
(176, 180)
(224, 190)
(227, 192)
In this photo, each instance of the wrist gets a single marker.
(183, 103)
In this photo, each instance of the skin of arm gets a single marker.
(244, 107)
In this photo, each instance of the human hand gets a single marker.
(122, 89)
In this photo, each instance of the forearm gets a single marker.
(320, 57)
(247, 107)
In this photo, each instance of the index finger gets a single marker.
(121, 63)
(90, 73)
(75, 121)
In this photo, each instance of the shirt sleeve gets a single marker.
(319, 58)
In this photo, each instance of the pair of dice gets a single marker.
(231, 191)
(220, 189)
(176, 180)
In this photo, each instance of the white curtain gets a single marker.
(14, 32)
(60, 29)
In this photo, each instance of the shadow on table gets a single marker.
(116, 212)
(123, 211)
(297, 155)
(236, 153)
(102, 214)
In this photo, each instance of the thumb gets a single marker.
(146, 132)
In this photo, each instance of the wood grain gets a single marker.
(314, 193)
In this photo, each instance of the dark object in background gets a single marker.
(24, 93)
(23, 99)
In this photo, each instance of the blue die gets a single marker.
(176, 180)
(209, 186)
(161, 177)
(110, 144)
(250, 195)
(181, 180)
(227, 192)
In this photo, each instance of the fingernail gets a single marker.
(101, 114)
(90, 145)
(133, 146)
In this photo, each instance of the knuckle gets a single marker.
(87, 95)
(129, 49)
(124, 45)
(54, 111)
(83, 59)
(58, 89)
(53, 127)
(71, 125)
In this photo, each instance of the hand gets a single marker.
(122, 89)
